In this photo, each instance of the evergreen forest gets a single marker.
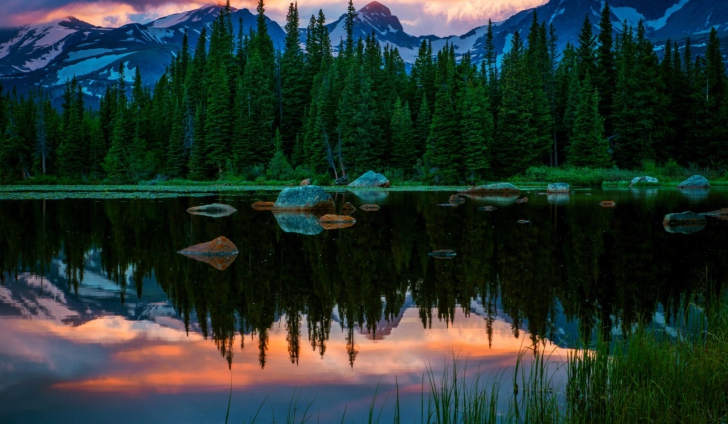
(232, 107)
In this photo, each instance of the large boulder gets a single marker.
(695, 182)
(215, 210)
(644, 180)
(496, 188)
(299, 223)
(684, 223)
(371, 179)
(306, 198)
(558, 188)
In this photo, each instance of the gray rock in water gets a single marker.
(684, 223)
(696, 181)
(558, 199)
(305, 198)
(504, 188)
(371, 196)
(558, 188)
(645, 180)
(371, 179)
(443, 254)
(299, 223)
(215, 210)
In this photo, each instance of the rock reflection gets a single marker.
(299, 223)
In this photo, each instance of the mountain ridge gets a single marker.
(47, 55)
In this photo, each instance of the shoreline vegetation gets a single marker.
(536, 178)
(648, 375)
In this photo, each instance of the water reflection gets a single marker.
(105, 279)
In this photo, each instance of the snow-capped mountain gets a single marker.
(50, 54)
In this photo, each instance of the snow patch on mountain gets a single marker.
(660, 23)
(86, 67)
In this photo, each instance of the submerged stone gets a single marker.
(487, 208)
(348, 208)
(263, 206)
(684, 223)
(523, 221)
(306, 198)
(694, 182)
(215, 210)
(369, 208)
(371, 179)
(524, 200)
(457, 200)
(443, 254)
(720, 214)
(607, 203)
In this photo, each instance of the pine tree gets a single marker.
(586, 51)
(589, 147)
(443, 143)
(477, 130)
(72, 150)
(295, 90)
(217, 122)
(605, 77)
(404, 140)
(279, 167)
(198, 163)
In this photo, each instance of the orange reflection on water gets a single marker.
(143, 356)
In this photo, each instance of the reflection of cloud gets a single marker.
(441, 17)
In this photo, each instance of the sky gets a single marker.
(439, 17)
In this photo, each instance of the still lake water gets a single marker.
(102, 321)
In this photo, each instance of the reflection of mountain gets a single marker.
(52, 297)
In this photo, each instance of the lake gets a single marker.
(101, 320)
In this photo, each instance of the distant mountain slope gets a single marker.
(93, 54)
(50, 54)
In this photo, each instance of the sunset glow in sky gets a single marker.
(439, 17)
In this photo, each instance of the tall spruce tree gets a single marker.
(588, 147)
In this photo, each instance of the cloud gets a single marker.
(441, 17)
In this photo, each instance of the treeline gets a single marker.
(236, 108)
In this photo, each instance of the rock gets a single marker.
(684, 223)
(443, 254)
(215, 210)
(298, 223)
(448, 205)
(348, 208)
(644, 180)
(558, 188)
(336, 222)
(456, 200)
(263, 206)
(369, 208)
(306, 182)
(371, 179)
(541, 193)
(306, 198)
(696, 181)
(487, 208)
(502, 188)
(221, 246)
(523, 221)
(524, 200)
(608, 203)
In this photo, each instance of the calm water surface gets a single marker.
(102, 321)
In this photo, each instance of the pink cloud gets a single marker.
(439, 17)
